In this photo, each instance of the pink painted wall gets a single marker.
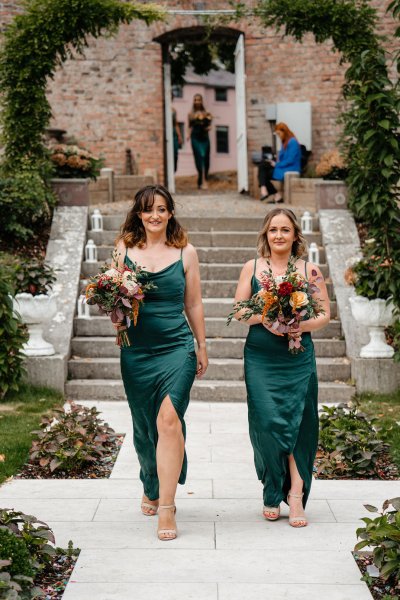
(224, 113)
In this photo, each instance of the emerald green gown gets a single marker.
(161, 361)
(282, 398)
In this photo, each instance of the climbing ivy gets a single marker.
(35, 44)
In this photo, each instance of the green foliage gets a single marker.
(34, 276)
(36, 535)
(75, 439)
(36, 43)
(13, 335)
(25, 206)
(19, 587)
(14, 549)
(383, 535)
(350, 440)
(203, 55)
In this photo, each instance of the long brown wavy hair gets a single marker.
(299, 246)
(287, 133)
(132, 231)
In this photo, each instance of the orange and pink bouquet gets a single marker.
(283, 303)
(118, 294)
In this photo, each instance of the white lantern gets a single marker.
(306, 222)
(97, 220)
(83, 307)
(91, 252)
(313, 253)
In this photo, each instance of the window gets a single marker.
(222, 134)
(177, 91)
(221, 94)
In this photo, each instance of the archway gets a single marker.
(199, 36)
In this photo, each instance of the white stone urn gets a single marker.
(376, 315)
(34, 312)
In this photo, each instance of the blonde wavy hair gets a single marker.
(299, 246)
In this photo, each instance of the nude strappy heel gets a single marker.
(151, 507)
(297, 521)
(170, 532)
(275, 511)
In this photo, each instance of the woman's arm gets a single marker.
(118, 255)
(323, 299)
(291, 154)
(194, 306)
(243, 292)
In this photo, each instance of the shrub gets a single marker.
(13, 335)
(332, 166)
(383, 535)
(350, 441)
(69, 440)
(25, 206)
(14, 549)
(72, 161)
(18, 587)
(35, 534)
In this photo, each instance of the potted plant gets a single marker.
(74, 167)
(373, 304)
(331, 192)
(33, 301)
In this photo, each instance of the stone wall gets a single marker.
(112, 99)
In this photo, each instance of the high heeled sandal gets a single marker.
(172, 533)
(274, 510)
(151, 507)
(297, 521)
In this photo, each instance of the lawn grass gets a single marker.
(386, 407)
(20, 414)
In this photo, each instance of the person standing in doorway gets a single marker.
(199, 126)
(177, 137)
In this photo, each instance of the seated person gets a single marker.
(271, 174)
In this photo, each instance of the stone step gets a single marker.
(206, 391)
(208, 271)
(105, 347)
(329, 369)
(215, 327)
(113, 222)
(236, 239)
(219, 254)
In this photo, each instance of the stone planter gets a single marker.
(330, 194)
(35, 311)
(376, 315)
(71, 192)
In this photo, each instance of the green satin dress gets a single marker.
(161, 361)
(282, 398)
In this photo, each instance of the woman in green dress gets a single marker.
(282, 388)
(159, 366)
(199, 126)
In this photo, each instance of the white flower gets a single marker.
(129, 281)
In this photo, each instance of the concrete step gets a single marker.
(329, 369)
(208, 271)
(215, 327)
(236, 239)
(219, 254)
(206, 391)
(113, 222)
(105, 347)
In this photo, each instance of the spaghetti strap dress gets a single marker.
(160, 361)
(282, 398)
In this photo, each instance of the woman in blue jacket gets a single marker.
(289, 159)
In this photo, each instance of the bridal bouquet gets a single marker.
(118, 294)
(283, 303)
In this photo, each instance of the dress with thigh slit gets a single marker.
(161, 361)
(282, 397)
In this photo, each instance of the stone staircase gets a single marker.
(223, 245)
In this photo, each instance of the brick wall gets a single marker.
(111, 99)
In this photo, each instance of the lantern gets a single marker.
(91, 252)
(97, 220)
(313, 253)
(83, 307)
(306, 222)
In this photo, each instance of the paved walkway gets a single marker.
(225, 549)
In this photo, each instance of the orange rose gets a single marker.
(298, 299)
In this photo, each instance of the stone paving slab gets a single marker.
(225, 549)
